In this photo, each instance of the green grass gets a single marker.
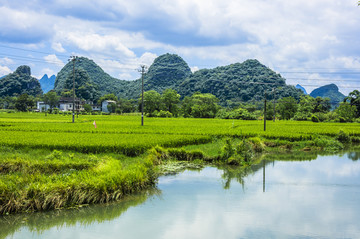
(43, 180)
(47, 162)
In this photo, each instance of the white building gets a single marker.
(65, 104)
(104, 105)
(41, 106)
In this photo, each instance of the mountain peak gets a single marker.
(331, 91)
(167, 71)
(47, 83)
(23, 70)
(301, 88)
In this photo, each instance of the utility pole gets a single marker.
(143, 67)
(73, 59)
(263, 175)
(265, 112)
(274, 102)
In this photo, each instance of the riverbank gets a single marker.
(48, 163)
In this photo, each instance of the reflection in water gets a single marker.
(41, 221)
(305, 198)
(264, 176)
(354, 156)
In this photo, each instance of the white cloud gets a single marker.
(6, 61)
(53, 59)
(92, 42)
(4, 70)
(147, 58)
(194, 69)
(57, 46)
(121, 35)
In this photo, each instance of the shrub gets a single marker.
(245, 150)
(328, 144)
(257, 145)
(343, 137)
(315, 119)
(164, 114)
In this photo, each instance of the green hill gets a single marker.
(20, 82)
(241, 82)
(106, 84)
(167, 71)
(331, 91)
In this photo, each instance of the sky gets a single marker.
(311, 43)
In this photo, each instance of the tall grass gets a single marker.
(60, 180)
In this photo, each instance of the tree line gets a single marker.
(205, 105)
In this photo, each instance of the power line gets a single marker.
(319, 72)
(313, 79)
(33, 51)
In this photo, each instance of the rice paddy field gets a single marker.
(48, 162)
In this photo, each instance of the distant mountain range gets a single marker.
(47, 83)
(301, 88)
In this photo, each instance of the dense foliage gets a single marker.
(84, 87)
(167, 71)
(20, 82)
(354, 99)
(241, 82)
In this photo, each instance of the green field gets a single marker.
(47, 162)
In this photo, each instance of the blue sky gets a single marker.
(312, 43)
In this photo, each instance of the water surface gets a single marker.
(276, 199)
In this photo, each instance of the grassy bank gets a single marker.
(46, 162)
(36, 180)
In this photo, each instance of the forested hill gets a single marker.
(242, 82)
(167, 71)
(331, 91)
(20, 82)
(106, 84)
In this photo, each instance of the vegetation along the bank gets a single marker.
(46, 162)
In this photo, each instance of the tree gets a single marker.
(126, 106)
(200, 105)
(111, 107)
(107, 97)
(87, 108)
(354, 99)
(287, 107)
(152, 101)
(346, 112)
(321, 105)
(170, 98)
(23, 102)
(8, 102)
(51, 99)
(305, 108)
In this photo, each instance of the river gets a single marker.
(282, 197)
